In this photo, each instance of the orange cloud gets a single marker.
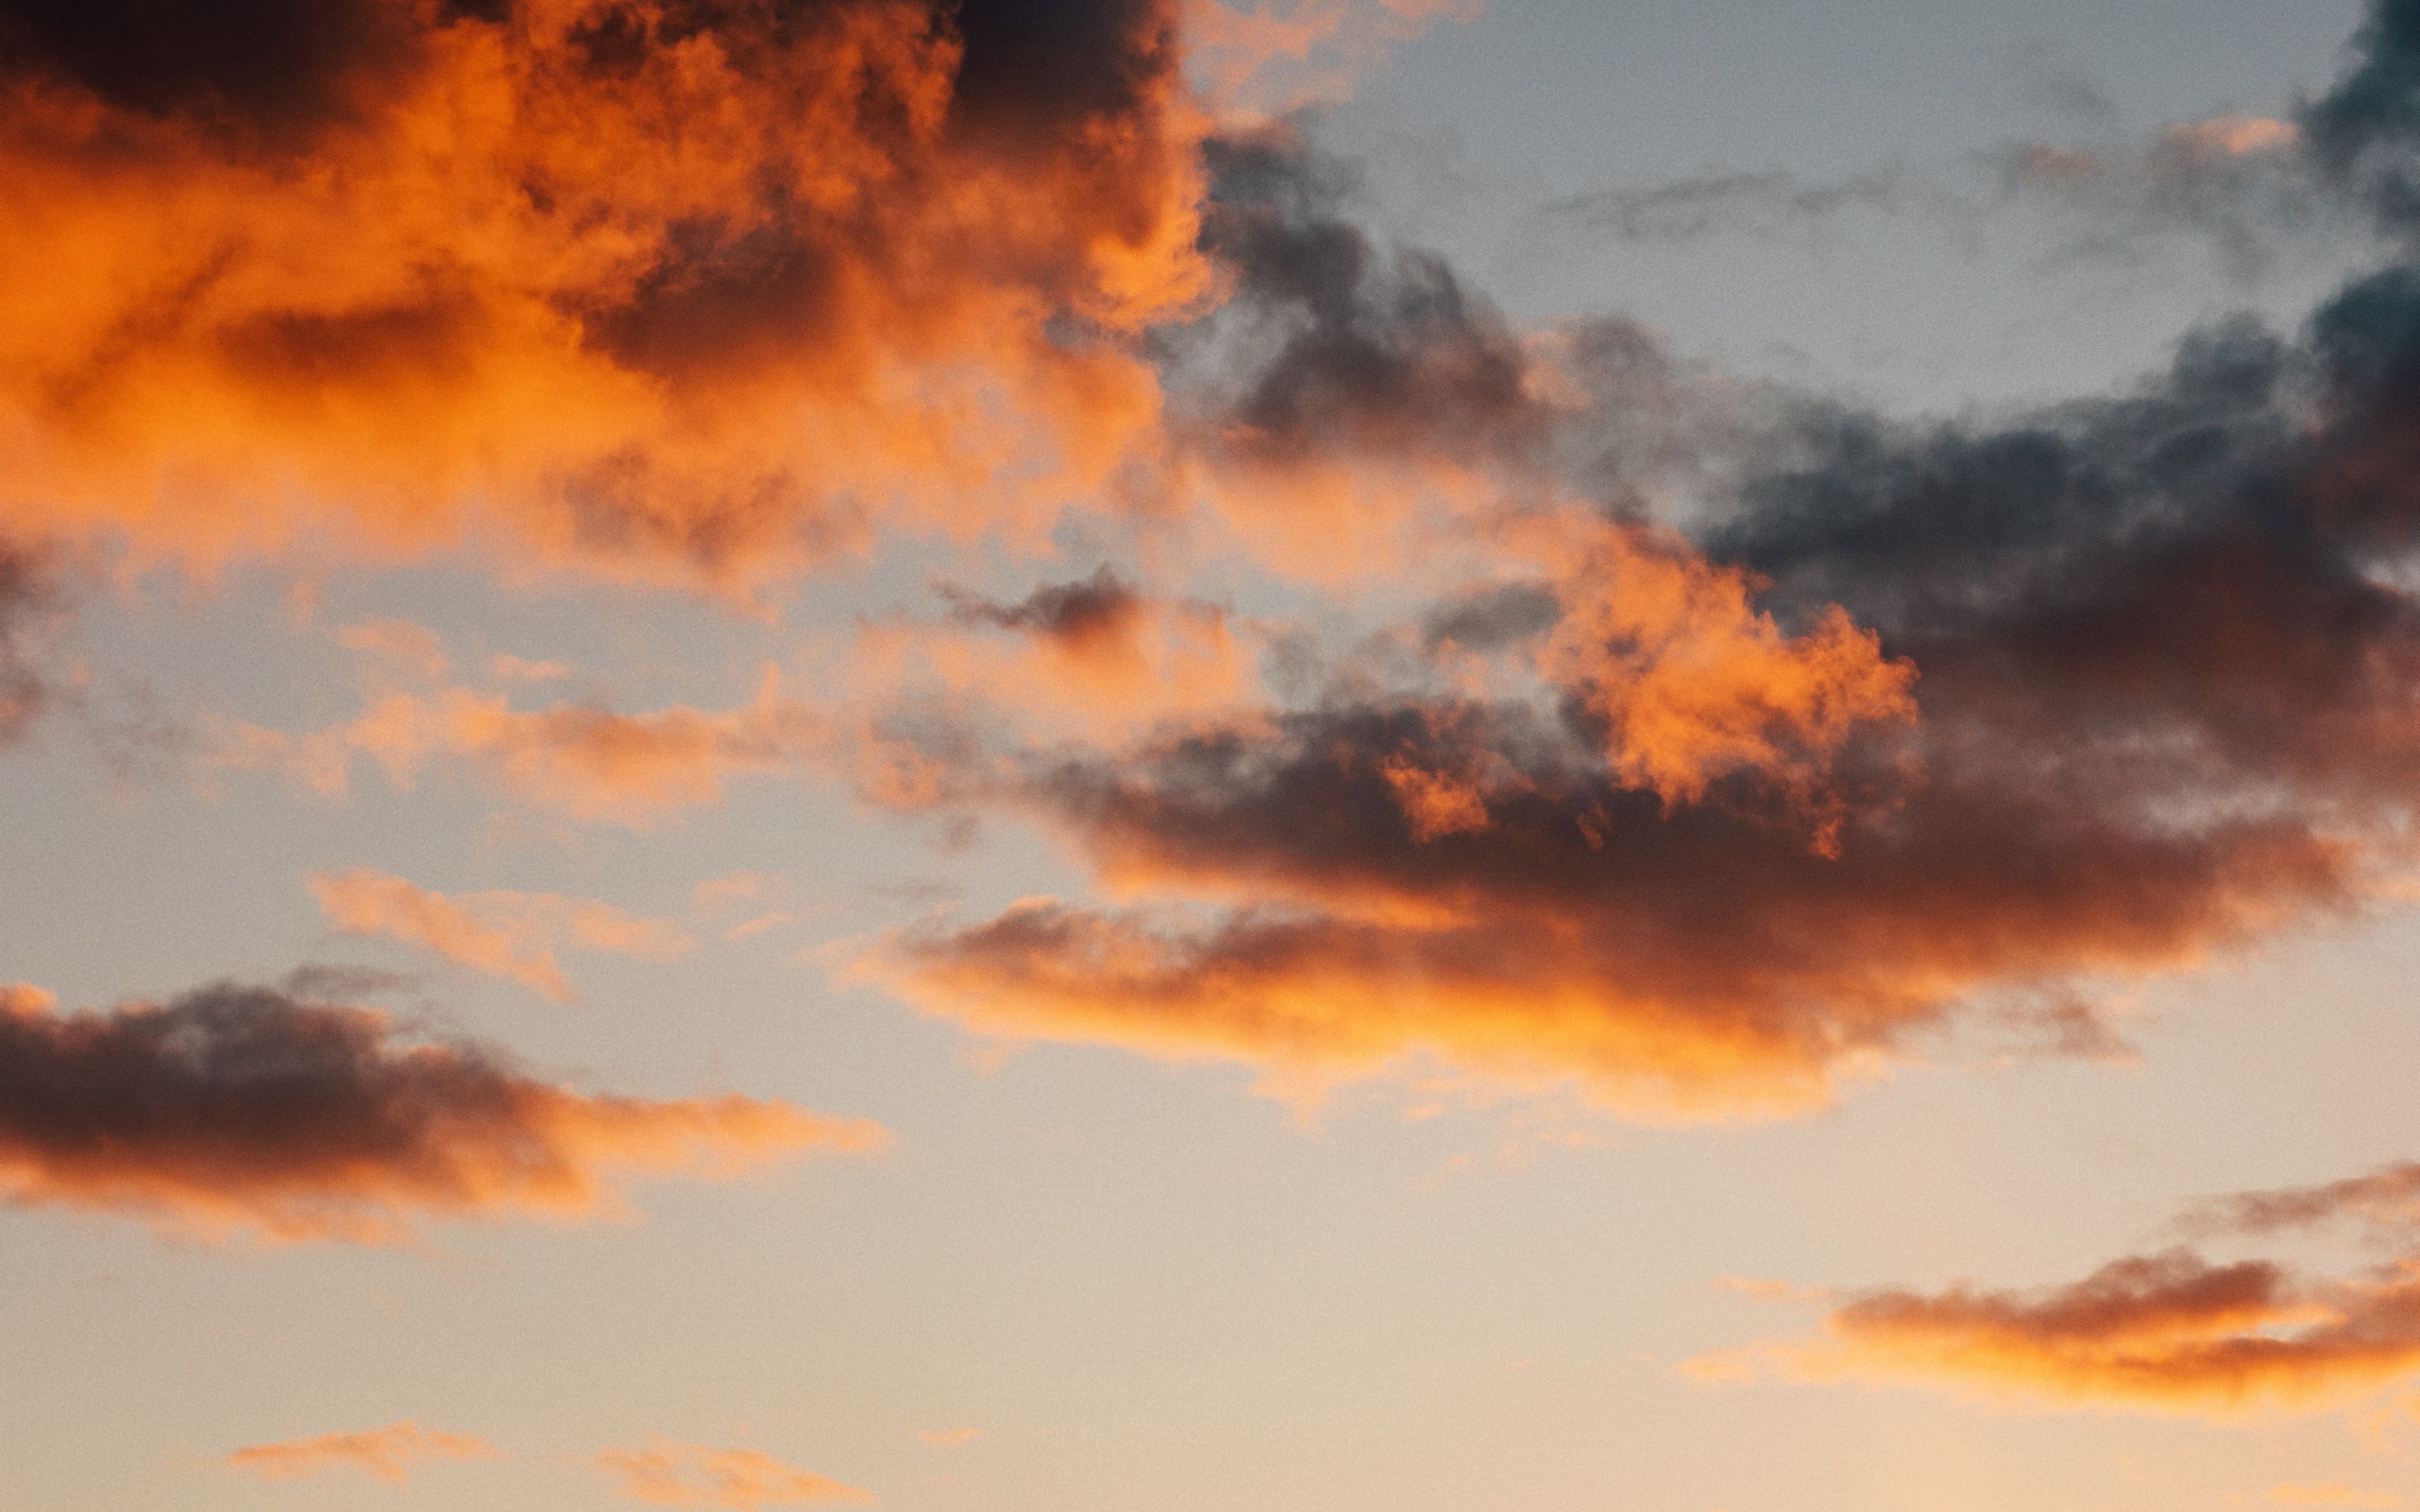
(2237, 136)
(595, 763)
(2169, 1332)
(669, 1474)
(1271, 60)
(1095, 659)
(460, 278)
(950, 1438)
(509, 934)
(1691, 682)
(387, 1453)
(232, 1110)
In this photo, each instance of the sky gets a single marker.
(1132, 756)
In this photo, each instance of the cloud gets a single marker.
(2168, 1332)
(1096, 659)
(1756, 202)
(950, 1438)
(670, 1473)
(241, 1110)
(1928, 715)
(30, 680)
(594, 764)
(2385, 1201)
(412, 274)
(387, 1453)
(511, 935)
(1265, 61)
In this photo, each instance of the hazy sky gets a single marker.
(1107, 757)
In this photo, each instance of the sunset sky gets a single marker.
(1209, 755)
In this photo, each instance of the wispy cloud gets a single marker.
(387, 1453)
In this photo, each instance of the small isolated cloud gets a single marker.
(669, 1474)
(950, 1438)
(389, 1453)
(232, 1110)
(2169, 1332)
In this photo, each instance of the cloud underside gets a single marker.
(234, 1111)
(2168, 1332)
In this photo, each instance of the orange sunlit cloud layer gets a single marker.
(387, 1453)
(234, 1111)
(456, 274)
(669, 1474)
(507, 933)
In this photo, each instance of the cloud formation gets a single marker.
(670, 1473)
(1924, 718)
(235, 1110)
(666, 291)
(595, 763)
(511, 935)
(387, 1453)
(2169, 1332)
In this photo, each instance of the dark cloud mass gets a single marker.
(232, 1109)
(1087, 610)
(2167, 670)
(1347, 346)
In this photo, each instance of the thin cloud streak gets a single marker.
(387, 1453)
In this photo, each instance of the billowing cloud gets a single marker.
(2169, 1332)
(233, 1110)
(666, 290)
(670, 1473)
(1923, 718)
(387, 1453)
(507, 933)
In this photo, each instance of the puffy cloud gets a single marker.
(507, 933)
(665, 290)
(233, 1109)
(670, 1473)
(1944, 714)
(2169, 1332)
(387, 1453)
(1928, 717)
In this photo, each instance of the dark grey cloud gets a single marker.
(2168, 674)
(232, 1107)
